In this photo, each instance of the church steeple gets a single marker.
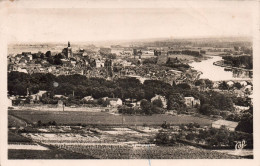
(68, 44)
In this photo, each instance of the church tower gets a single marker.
(69, 50)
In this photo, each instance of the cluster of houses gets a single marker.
(190, 102)
(93, 64)
(246, 88)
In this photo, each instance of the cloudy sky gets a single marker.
(117, 20)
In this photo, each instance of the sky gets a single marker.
(128, 21)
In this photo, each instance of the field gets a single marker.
(111, 142)
(16, 138)
(103, 118)
(147, 152)
(15, 122)
(45, 154)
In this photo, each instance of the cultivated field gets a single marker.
(154, 152)
(103, 118)
(108, 142)
(45, 154)
(20, 147)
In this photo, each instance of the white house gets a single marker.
(22, 70)
(99, 63)
(41, 92)
(215, 85)
(88, 98)
(230, 84)
(114, 102)
(162, 98)
(240, 108)
(248, 88)
(243, 83)
(191, 102)
(60, 96)
(38, 95)
(230, 125)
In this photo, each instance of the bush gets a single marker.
(165, 138)
(158, 103)
(165, 125)
(206, 109)
(146, 107)
(246, 123)
(158, 110)
(190, 136)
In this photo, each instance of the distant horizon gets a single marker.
(244, 37)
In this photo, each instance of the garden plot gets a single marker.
(26, 147)
(148, 129)
(59, 137)
(243, 152)
(43, 130)
(122, 131)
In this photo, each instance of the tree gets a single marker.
(184, 86)
(146, 107)
(165, 125)
(237, 85)
(206, 109)
(57, 61)
(199, 82)
(246, 123)
(157, 103)
(157, 110)
(190, 136)
(223, 86)
(222, 102)
(175, 102)
(39, 123)
(48, 54)
(42, 56)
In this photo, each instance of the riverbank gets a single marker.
(216, 73)
(221, 64)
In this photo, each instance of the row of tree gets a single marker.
(123, 88)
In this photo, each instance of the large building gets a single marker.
(68, 51)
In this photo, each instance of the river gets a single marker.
(216, 73)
